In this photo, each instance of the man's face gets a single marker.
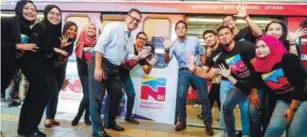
(210, 39)
(225, 37)
(181, 30)
(133, 20)
(229, 22)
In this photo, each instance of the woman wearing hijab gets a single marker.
(283, 74)
(56, 79)
(15, 32)
(36, 66)
(84, 49)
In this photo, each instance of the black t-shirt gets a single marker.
(214, 55)
(239, 61)
(124, 68)
(286, 80)
(245, 34)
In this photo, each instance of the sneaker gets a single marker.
(221, 134)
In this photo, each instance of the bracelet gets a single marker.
(292, 43)
(166, 50)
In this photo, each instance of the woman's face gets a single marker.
(275, 30)
(29, 12)
(72, 32)
(54, 16)
(91, 31)
(262, 49)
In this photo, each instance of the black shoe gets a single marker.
(181, 126)
(48, 125)
(100, 134)
(132, 120)
(36, 134)
(88, 122)
(117, 128)
(74, 123)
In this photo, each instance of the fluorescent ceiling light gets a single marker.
(220, 20)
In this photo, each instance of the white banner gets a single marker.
(71, 96)
(156, 93)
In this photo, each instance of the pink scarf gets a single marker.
(277, 50)
(84, 39)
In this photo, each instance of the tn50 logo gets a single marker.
(154, 87)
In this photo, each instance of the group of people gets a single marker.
(259, 70)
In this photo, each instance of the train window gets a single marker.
(158, 27)
(198, 24)
(108, 18)
(80, 20)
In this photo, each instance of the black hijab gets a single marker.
(52, 30)
(23, 25)
(67, 25)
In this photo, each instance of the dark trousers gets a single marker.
(214, 95)
(55, 82)
(8, 69)
(85, 102)
(37, 97)
(97, 90)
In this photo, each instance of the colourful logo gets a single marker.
(277, 81)
(154, 87)
(74, 86)
(24, 38)
(237, 66)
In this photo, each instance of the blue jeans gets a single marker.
(278, 122)
(230, 96)
(260, 117)
(185, 79)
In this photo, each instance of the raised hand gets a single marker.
(167, 43)
(223, 71)
(293, 36)
(144, 52)
(241, 10)
(153, 60)
(27, 47)
(191, 62)
(64, 41)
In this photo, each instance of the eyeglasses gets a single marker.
(144, 39)
(134, 19)
(55, 14)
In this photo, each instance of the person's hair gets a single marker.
(209, 31)
(284, 28)
(233, 17)
(134, 10)
(223, 27)
(142, 32)
(183, 22)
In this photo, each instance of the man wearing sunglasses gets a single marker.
(114, 44)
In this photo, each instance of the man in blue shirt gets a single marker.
(114, 44)
(181, 47)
